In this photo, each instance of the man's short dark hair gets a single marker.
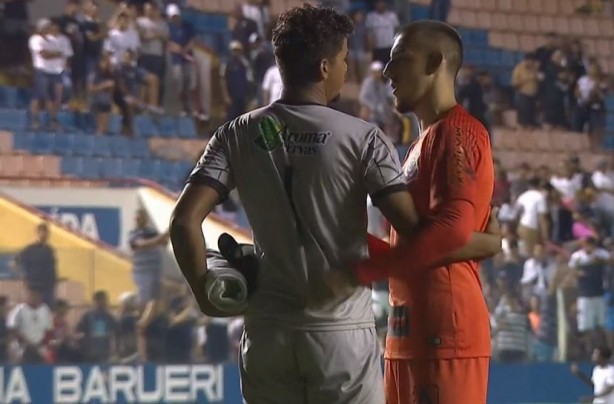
(444, 36)
(303, 37)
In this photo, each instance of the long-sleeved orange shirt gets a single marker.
(439, 311)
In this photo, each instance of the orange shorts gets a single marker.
(437, 381)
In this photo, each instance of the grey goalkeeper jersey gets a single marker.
(303, 173)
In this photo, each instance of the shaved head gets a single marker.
(436, 36)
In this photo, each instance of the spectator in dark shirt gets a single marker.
(37, 265)
(244, 27)
(101, 90)
(471, 96)
(262, 58)
(180, 333)
(127, 336)
(94, 32)
(544, 53)
(555, 88)
(181, 44)
(4, 332)
(237, 81)
(70, 26)
(15, 32)
(154, 330)
(97, 328)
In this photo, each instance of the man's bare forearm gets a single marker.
(190, 252)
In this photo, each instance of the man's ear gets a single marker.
(433, 62)
(324, 68)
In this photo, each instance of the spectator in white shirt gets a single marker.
(63, 43)
(602, 378)
(567, 183)
(382, 25)
(376, 98)
(123, 37)
(31, 322)
(590, 92)
(272, 85)
(533, 226)
(49, 63)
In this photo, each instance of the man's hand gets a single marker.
(493, 222)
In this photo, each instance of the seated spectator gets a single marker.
(97, 329)
(181, 44)
(101, 89)
(123, 37)
(49, 62)
(154, 36)
(137, 86)
(30, 324)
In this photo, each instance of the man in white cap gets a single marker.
(376, 99)
(181, 44)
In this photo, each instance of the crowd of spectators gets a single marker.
(560, 86)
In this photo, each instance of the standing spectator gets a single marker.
(510, 327)
(603, 182)
(16, 29)
(244, 27)
(262, 59)
(471, 94)
(555, 88)
(544, 53)
(94, 33)
(520, 182)
(37, 265)
(153, 327)
(4, 331)
(127, 336)
(525, 79)
(376, 99)
(69, 26)
(217, 346)
(272, 85)
(256, 11)
(31, 323)
(181, 43)
(567, 183)
(102, 92)
(382, 25)
(237, 79)
(123, 37)
(537, 272)
(590, 92)
(146, 244)
(63, 345)
(64, 44)
(533, 227)
(48, 61)
(154, 36)
(589, 266)
(358, 46)
(97, 329)
(602, 379)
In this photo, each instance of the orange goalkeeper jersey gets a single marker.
(440, 311)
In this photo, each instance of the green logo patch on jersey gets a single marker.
(271, 132)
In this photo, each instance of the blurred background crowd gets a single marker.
(102, 91)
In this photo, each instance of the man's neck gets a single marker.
(311, 94)
(435, 104)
